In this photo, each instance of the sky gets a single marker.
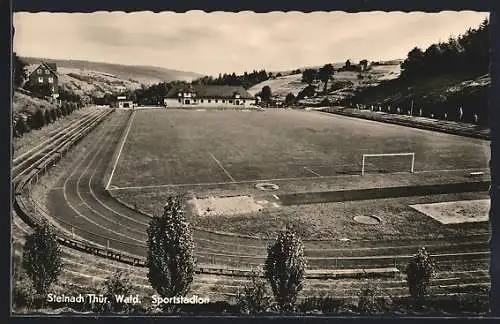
(224, 42)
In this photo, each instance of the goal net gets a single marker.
(388, 163)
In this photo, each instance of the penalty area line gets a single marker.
(315, 173)
(222, 167)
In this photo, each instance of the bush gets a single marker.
(53, 114)
(42, 259)
(117, 284)
(255, 297)
(47, 117)
(38, 119)
(324, 304)
(22, 290)
(371, 301)
(285, 269)
(419, 272)
(21, 126)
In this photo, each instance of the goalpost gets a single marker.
(412, 155)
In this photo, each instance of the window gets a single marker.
(223, 101)
(243, 100)
(180, 100)
(47, 72)
(51, 80)
(230, 101)
(39, 71)
(216, 101)
(201, 100)
(40, 80)
(179, 94)
(209, 101)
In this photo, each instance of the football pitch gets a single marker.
(183, 147)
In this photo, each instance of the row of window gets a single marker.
(50, 79)
(39, 71)
(216, 101)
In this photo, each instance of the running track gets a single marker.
(80, 200)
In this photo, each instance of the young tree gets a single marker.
(42, 259)
(324, 75)
(38, 119)
(309, 75)
(289, 99)
(18, 70)
(266, 93)
(47, 117)
(255, 297)
(285, 269)
(170, 258)
(117, 284)
(419, 272)
(21, 127)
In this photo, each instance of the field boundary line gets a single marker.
(222, 167)
(313, 172)
(120, 150)
(273, 179)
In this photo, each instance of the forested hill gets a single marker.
(439, 81)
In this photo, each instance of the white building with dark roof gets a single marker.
(208, 96)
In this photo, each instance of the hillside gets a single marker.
(141, 74)
(24, 102)
(344, 83)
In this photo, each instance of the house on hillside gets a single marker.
(208, 96)
(45, 76)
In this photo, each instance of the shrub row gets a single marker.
(25, 121)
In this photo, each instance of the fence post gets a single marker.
(108, 246)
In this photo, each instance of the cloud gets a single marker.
(227, 42)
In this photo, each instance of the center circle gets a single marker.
(266, 186)
(367, 220)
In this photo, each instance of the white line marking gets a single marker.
(271, 180)
(223, 169)
(315, 173)
(121, 148)
(276, 197)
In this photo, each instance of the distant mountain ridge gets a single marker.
(142, 74)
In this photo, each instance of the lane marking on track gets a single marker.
(222, 167)
(120, 150)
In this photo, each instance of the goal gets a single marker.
(390, 163)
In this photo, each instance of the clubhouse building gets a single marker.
(208, 96)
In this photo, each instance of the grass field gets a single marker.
(227, 153)
(191, 147)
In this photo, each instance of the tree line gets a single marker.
(246, 80)
(443, 65)
(467, 54)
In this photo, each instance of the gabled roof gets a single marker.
(210, 91)
(52, 67)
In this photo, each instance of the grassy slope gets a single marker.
(292, 83)
(432, 89)
(23, 102)
(143, 74)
